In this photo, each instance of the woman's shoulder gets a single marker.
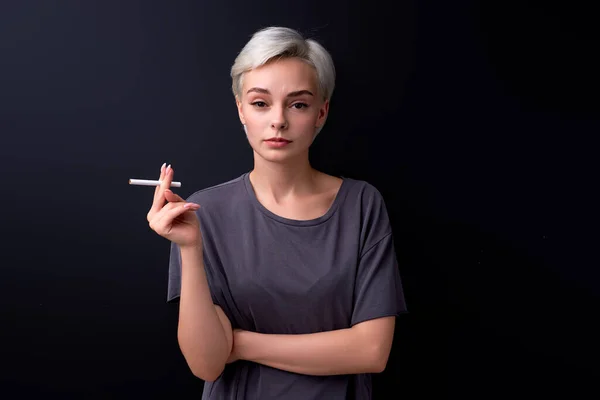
(365, 198)
(219, 193)
(362, 189)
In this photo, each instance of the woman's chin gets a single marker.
(278, 156)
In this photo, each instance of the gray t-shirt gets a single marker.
(276, 275)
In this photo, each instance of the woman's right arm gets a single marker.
(204, 333)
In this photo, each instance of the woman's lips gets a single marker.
(277, 142)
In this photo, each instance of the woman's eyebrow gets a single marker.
(291, 94)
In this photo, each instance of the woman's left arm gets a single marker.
(364, 348)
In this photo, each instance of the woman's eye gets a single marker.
(299, 105)
(259, 104)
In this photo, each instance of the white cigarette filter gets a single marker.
(146, 182)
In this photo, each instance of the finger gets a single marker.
(157, 221)
(166, 180)
(162, 172)
(163, 221)
(172, 196)
(158, 215)
(157, 203)
(159, 198)
(157, 188)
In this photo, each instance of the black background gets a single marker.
(476, 120)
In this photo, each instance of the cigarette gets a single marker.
(145, 182)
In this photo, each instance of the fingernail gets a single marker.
(169, 168)
(191, 205)
(163, 166)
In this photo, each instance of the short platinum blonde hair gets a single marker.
(278, 42)
(273, 43)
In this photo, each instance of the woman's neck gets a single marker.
(280, 181)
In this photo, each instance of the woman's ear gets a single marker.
(323, 111)
(238, 104)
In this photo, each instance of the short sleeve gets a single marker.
(378, 288)
(174, 281)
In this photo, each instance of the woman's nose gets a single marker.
(279, 121)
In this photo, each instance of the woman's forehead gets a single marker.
(291, 74)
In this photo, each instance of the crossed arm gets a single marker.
(208, 341)
(363, 348)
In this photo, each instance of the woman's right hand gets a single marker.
(171, 216)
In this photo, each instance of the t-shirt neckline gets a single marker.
(310, 222)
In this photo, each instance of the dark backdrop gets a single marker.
(476, 120)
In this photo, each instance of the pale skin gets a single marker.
(280, 99)
(204, 332)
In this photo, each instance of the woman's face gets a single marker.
(281, 108)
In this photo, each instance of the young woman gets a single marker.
(286, 277)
